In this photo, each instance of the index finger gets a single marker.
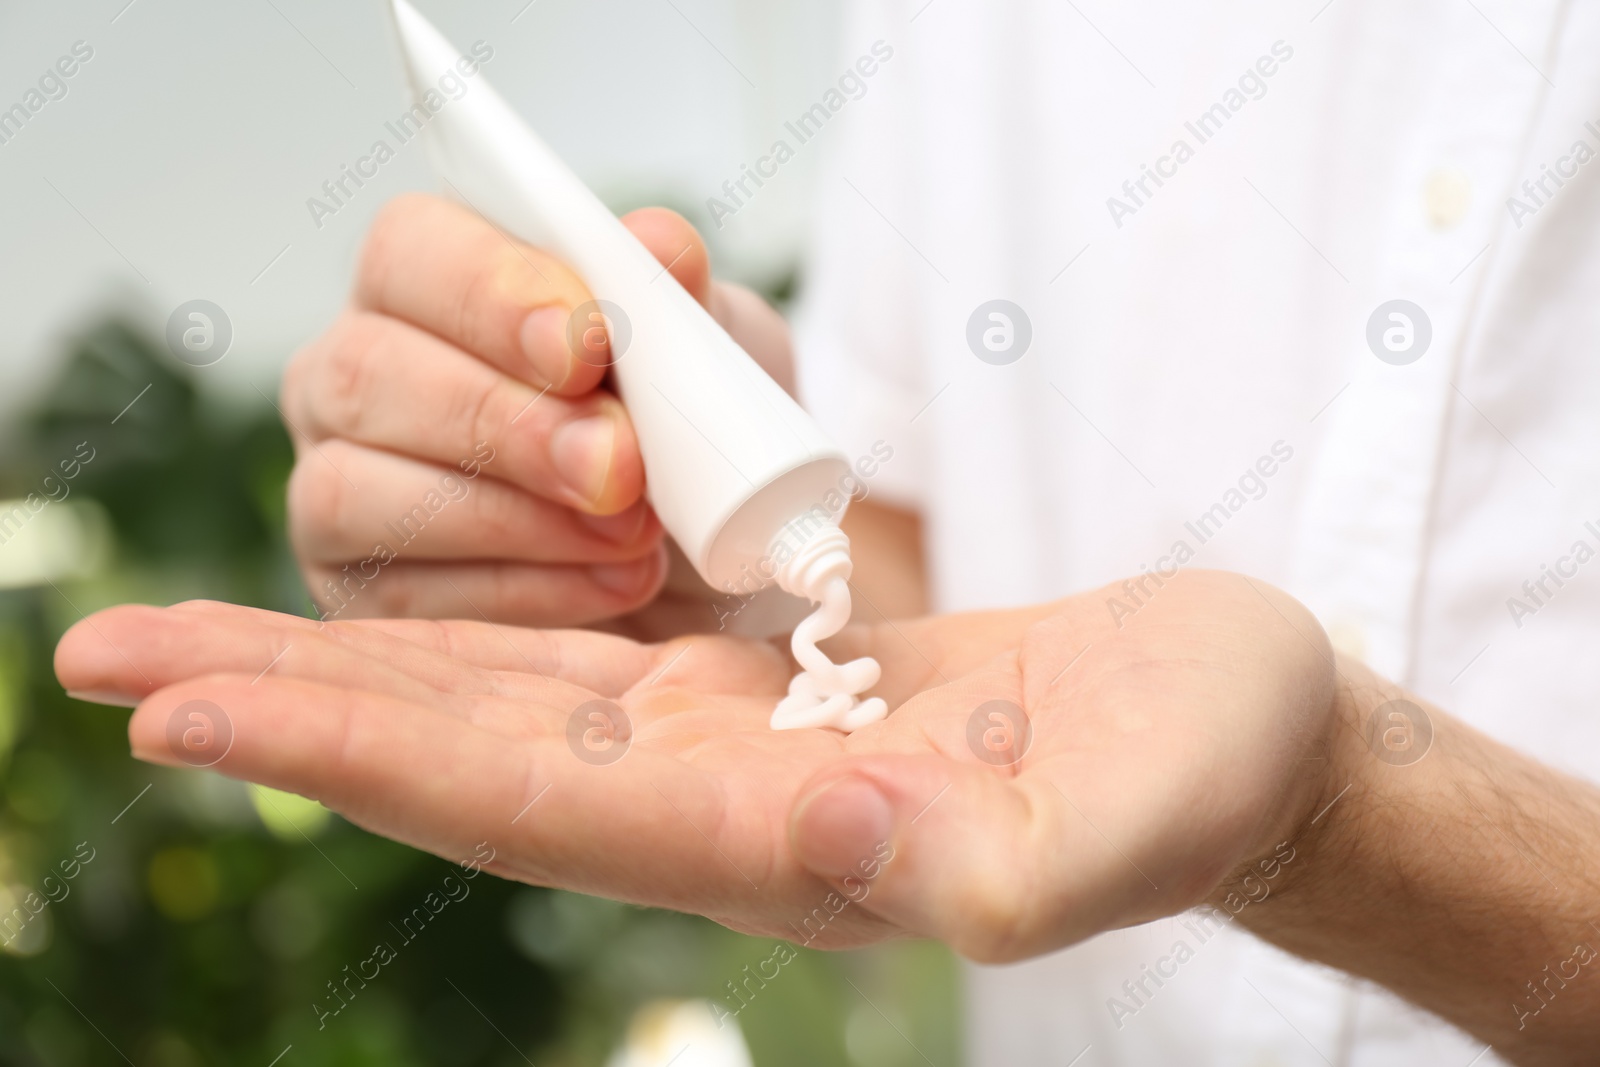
(650, 828)
(445, 269)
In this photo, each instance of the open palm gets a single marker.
(1147, 762)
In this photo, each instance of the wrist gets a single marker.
(1329, 761)
(1373, 735)
(1446, 867)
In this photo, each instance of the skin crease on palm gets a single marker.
(1164, 754)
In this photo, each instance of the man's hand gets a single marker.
(455, 347)
(1154, 759)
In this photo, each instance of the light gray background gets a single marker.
(193, 137)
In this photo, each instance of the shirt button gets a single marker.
(1348, 639)
(1447, 195)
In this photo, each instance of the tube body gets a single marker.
(731, 461)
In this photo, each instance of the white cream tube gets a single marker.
(740, 475)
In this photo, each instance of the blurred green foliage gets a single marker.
(199, 934)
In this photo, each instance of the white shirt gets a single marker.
(1177, 338)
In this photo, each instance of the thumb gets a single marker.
(677, 245)
(938, 848)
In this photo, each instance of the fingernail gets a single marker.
(161, 757)
(625, 579)
(620, 528)
(581, 453)
(544, 343)
(104, 696)
(840, 825)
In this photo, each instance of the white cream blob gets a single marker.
(824, 693)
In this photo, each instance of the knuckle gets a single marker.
(341, 376)
(290, 390)
(499, 514)
(318, 502)
(480, 411)
(294, 389)
(294, 373)
(385, 237)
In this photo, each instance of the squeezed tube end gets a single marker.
(823, 558)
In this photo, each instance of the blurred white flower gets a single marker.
(681, 1033)
(25, 924)
(41, 541)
